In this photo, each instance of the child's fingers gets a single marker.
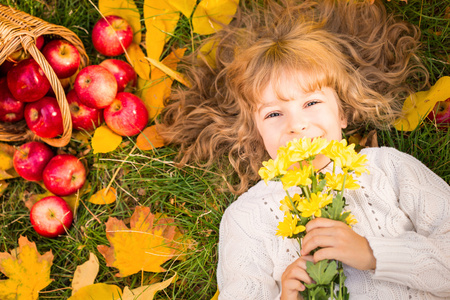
(322, 222)
(317, 241)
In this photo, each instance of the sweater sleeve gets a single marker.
(419, 258)
(245, 268)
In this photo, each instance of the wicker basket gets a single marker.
(20, 30)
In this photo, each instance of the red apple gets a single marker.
(40, 42)
(83, 117)
(5, 67)
(441, 112)
(30, 159)
(64, 175)
(27, 82)
(95, 86)
(127, 114)
(112, 35)
(63, 57)
(123, 72)
(44, 118)
(51, 216)
(11, 109)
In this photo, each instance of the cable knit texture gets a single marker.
(402, 208)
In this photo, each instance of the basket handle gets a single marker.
(60, 97)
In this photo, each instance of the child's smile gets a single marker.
(299, 114)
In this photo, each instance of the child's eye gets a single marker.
(311, 103)
(272, 115)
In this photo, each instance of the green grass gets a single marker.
(192, 195)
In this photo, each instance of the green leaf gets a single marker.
(335, 209)
(321, 185)
(322, 272)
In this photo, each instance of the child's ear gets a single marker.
(343, 122)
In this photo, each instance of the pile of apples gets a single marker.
(98, 93)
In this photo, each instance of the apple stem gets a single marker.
(20, 150)
(117, 171)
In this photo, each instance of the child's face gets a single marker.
(308, 114)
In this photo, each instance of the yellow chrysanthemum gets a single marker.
(351, 220)
(282, 162)
(314, 204)
(346, 157)
(269, 171)
(288, 227)
(335, 182)
(286, 204)
(305, 148)
(297, 177)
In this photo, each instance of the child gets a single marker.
(311, 70)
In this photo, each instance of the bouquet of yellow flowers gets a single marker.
(322, 196)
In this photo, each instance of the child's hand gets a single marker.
(293, 278)
(337, 241)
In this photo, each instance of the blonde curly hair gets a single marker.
(352, 46)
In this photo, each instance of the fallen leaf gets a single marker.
(3, 186)
(6, 156)
(211, 14)
(104, 197)
(184, 6)
(85, 273)
(126, 9)
(155, 91)
(160, 20)
(28, 272)
(136, 58)
(146, 292)
(105, 140)
(208, 53)
(148, 243)
(173, 74)
(8, 174)
(417, 107)
(98, 291)
(149, 139)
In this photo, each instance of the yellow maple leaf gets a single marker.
(149, 139)
(150, 241)
(105, 140)
(126, 9)
(146, 292)
(85, 273)
(211, 14)
(154, 91)
(160, 20)
(136, 58)
(100, 291)
(418, 106)
(104, 196)
(28, 272)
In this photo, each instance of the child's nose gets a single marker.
(297, 125)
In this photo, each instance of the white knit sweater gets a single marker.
(402, 208)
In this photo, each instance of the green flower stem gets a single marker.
(343, 185)
(292, 204)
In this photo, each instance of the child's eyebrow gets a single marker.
(267, 104)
